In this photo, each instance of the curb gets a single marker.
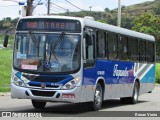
(157, 84)
(5, 94)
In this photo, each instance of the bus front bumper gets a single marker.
(73, 95)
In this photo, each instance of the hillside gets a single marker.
(129, 13)
(138, 9)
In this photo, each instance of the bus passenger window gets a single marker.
(122, 48)
(133, 49)
(112, 46)
(101, 44)
(150, 52)
(142, 50)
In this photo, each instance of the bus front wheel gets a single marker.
(38, 104)
(98, 98)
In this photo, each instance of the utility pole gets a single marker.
(90, 7)
(48, 10)
(29, 7)
(119, 14)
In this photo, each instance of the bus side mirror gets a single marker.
(5, 43)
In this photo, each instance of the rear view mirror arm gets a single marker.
(6, 36)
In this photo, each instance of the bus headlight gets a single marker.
(18, 82)
(71, 84)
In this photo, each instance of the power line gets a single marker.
(62, 1)
(37, 4)
(74, 5)
(59, 6)
(54, 10)
(55, 7)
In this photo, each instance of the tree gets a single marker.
(106, 9)
(102, 21)
(147, 23)
(8, 19)
(127, 22)
(157, 10)
(150, 24)
(123, 7)
(6, 23)
(14, 22)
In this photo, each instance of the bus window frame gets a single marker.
(89, 62)
(118, 35)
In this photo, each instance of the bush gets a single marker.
(158, 73)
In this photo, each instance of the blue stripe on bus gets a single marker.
(149, 77)
(114, 72)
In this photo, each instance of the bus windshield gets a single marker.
(47, 52)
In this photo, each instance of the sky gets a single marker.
(10, 8)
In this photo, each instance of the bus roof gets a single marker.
(99, 25)
(95, 24)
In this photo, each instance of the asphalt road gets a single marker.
(149, 102)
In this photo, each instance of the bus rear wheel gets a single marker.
(98, 98)
(38, 104)
(134, 98)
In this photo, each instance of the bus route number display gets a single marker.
(49, 25)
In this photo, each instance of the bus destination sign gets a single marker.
(49, 25)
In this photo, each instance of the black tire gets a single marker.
(38, 104)
(134, 98)
(124, 100)
(98, 98)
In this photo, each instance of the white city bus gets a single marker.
(69, 59)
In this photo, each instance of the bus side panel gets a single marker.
(113, 72)
(119, 77)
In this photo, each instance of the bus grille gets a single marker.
(39, 85)
(43, 93)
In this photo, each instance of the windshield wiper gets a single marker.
(35, 41)
(54, 44)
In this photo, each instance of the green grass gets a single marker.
(5, 69)
(5, 89)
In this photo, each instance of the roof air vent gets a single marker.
(89, 17)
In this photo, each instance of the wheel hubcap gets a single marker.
(136, 94)
(98, 97)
